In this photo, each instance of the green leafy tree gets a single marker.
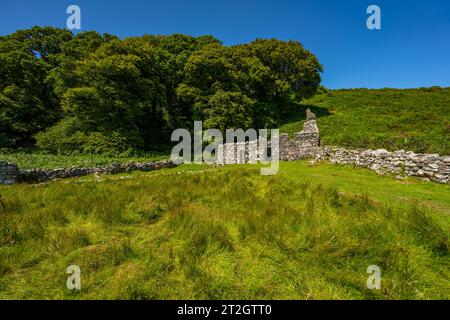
(294, 70)
(62, 77)
(228, 109)
(118, 88)
(271, 73)
(91, 89)
(42, 42)
(129, 85)
(27, 103)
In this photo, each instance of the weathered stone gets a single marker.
(420, 172)
(433, 166)
(310, 115)
(9, 172)
(380, 152)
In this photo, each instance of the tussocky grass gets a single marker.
(196, 232)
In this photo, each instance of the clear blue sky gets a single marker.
(411, 50)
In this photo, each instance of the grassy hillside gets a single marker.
(411, 119)
(309, 232)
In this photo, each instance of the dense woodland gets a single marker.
(91, 93)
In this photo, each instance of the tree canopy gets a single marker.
(95, 93)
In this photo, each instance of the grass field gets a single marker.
(309, 232)
(198, 232)
(410, 119)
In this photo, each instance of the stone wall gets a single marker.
(304, 145)
(401, 163)
(9, 173)
(240, 152)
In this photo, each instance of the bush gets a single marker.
(66, 138)
(99, 143)
(60, 138)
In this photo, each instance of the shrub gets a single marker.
(66, 138)
(60, 138)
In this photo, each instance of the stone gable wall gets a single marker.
(304, 145)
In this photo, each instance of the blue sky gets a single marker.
(411, 50)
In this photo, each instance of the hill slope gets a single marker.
(410, 119)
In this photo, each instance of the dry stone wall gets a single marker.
(430, 167)
(10, 173)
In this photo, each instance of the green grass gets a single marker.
(410, 119)
(309, 232)
(35, 160)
